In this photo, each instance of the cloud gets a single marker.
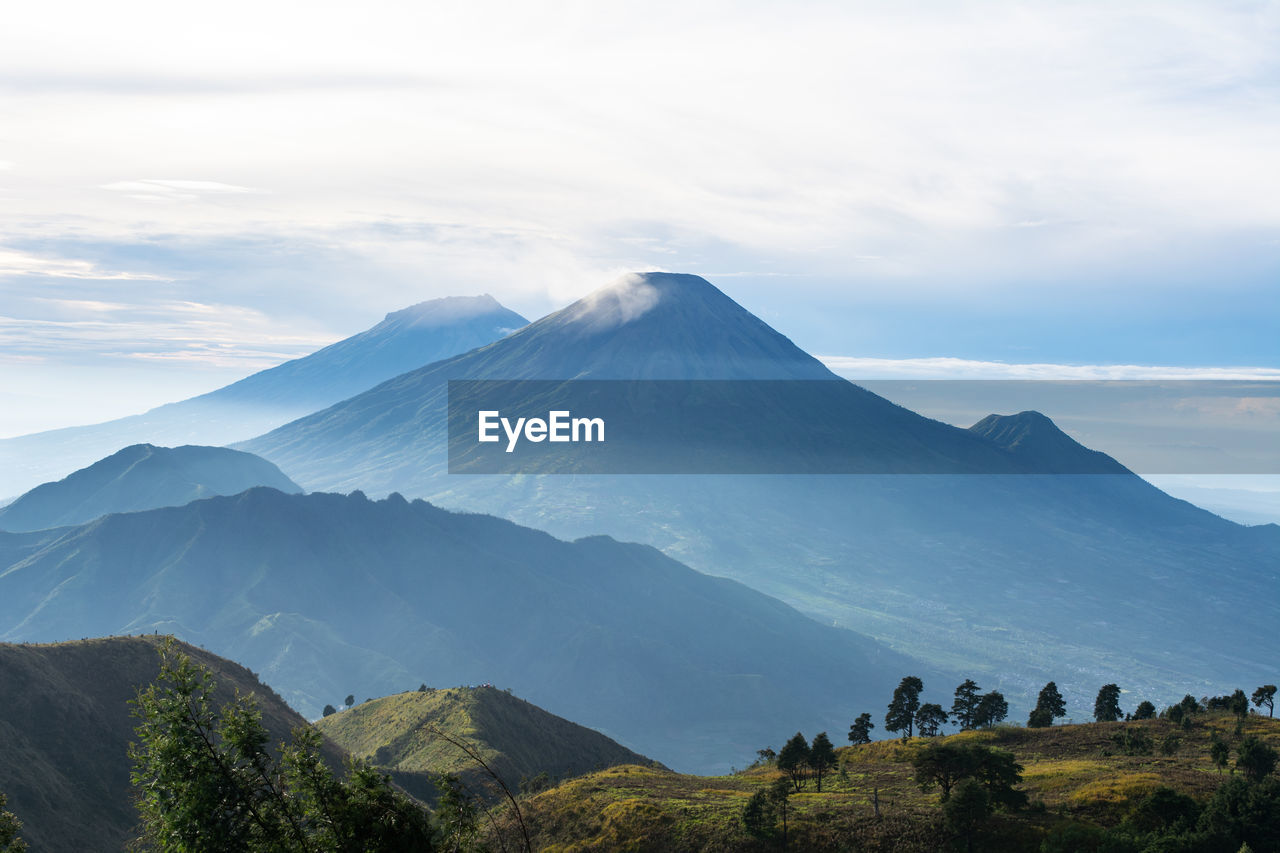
(958, 368)
(168, 190)
(15, 263)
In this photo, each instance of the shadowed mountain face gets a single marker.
(517, 739)
(1084, 575)
(404, 340)
(328, 595)
(65, 729)
(141, 477)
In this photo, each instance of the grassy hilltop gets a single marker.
(1077, 778)
(517, 739)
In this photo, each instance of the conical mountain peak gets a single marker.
(654, 325)
(447, 310)
(1037, 442)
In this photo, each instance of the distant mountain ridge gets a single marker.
(404, 340)
(1022, 574)
(328, 594)
(141, 477)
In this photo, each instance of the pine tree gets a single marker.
(822, 757)
(860, 731)
(902, 710)
(1106, 708)
(929, 719)
(966, 704)
(794, 759)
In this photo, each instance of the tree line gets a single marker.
(973, 709)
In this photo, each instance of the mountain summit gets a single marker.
(1040, 445)
(648, 326)
(404, 340)
(142, 477)
(653, 325)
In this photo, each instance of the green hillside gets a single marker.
(517, 739)
(1080, 780)
(66, 723)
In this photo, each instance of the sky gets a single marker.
(190, 193)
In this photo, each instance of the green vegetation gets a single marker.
(1056, 789)
(1049, 706)
(903, 707)
(9, 827)
(209, 781)
(402, 734)
(860, 729)
(1106, 708)
(1265, 696)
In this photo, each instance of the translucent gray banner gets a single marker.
(842, 427)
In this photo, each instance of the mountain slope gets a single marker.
(1015, 553)
(517, 739)
(141, 477)
(66, 724)
(328, 595)
(654, 326)
(404, 340)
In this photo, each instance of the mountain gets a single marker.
(1007, 551)
(517, 739)
(141, 477)
(66, 724)
(404, 340)
(655, 326)
(1033, 438)
(328, 595)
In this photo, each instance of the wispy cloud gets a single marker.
(958, 368)
(170, 190)
(15, 263)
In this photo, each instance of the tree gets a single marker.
(206, 780)
(329, 710)
(902, 710)
(1106, 708)
(9, 827)
(965, 704)
(457, 819)
(1255, 759)
(992, 708)
(794, 758)
(779, 791)
(929, 719)
(760, 814)
(965, 813)
(945, 764)
(350, 700)
(822, 756)
(1265, 697)
(860, 731)
(1144, 711)
(1039, 718)
(1220, 752)
(1051, 700)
